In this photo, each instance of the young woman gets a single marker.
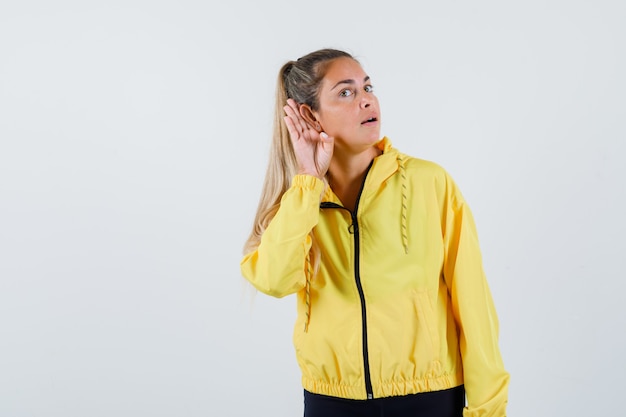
(395, 317)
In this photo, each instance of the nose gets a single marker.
(365, 101)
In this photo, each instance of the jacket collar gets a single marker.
(383, 167)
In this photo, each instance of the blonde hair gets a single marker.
(299, 80)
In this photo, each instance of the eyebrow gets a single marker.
(349, 81)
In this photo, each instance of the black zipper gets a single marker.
(354, 230)
(359, 286)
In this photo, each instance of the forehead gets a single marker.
(343, 69)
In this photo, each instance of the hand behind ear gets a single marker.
(313, 149)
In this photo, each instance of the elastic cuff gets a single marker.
(308, 182)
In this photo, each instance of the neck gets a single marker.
(346, 174)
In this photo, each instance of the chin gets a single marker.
(375, 137)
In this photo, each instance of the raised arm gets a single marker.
(277, 266)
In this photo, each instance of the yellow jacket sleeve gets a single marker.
(486, 380)
(277, 266)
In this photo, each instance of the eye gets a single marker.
(345, 93)
(369, 88)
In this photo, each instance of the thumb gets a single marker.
(326, 139)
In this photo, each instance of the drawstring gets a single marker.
(307, 290)
(405, 237)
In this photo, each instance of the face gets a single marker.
(348, 109)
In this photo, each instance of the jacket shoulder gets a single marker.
(425, 174)
(424, 168)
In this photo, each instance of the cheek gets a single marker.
(334, 124)
(335, 119)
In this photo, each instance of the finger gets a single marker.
(328, 142)
(294, 134)
(299, 119)
(292, 103)
(294, 110)
(293, 124)
(289, 111)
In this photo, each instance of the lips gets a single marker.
(370, 120)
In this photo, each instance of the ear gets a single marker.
(309, 117)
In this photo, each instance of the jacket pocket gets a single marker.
(427, 323)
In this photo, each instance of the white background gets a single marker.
(133, 142)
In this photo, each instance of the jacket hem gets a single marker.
(386, 389)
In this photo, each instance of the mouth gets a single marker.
(370, 120)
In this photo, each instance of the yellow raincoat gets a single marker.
(400, 303)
